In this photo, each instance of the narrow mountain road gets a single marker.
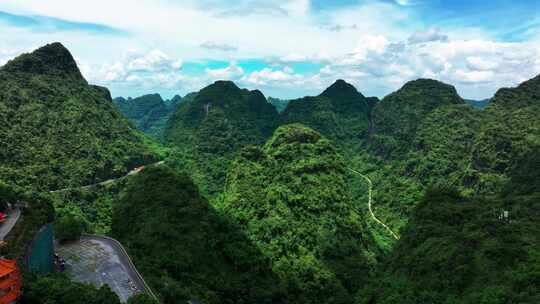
(109, 181)
(370, 200)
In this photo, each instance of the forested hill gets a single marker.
(149, 113)
(143, 111)
(526, 94)
(58, 131)
(397, 117)
(208, 130)
(222, 118)
(340, 112)
(185, 248)
(292, 199)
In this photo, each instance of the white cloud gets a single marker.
(390, 46)
(265, 76)
(272, 78)
(293, 57)
(153, 61)
(429, 35)
(212, 45)
(7, 53)
(474, 76)
(481, 64)
(232, 72)
(152, 70)
(476, 67)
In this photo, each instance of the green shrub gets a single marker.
(69, 228)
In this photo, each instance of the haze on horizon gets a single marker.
(286, 48)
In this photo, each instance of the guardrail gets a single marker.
(119, 246)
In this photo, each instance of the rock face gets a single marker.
(55, 129)
(292, 199)
(221, 119)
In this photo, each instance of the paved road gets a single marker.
(109, 181)
(5, 227)
(101, 260)
(370, 189)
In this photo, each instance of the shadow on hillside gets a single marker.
(185, 249)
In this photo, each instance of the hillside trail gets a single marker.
(109, 181)
(370, 188)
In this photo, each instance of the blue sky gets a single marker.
(285, 48)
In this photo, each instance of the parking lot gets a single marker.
(97, 262)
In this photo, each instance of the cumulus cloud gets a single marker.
(153, 61)
(232, 72)
(152, 69)
(474, 76)
(481, 64)
(265, 76)
(281, 78)
(212, 45)
(429, 35)
(377, 63)
(477, 67)
(293, 57)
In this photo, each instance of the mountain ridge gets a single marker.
(50, 60)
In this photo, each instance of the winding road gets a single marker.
(109, 181)
(370, 189)
(103, 260)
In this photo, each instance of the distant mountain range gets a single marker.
(279, 104)
(481, 104)
(256, 205)
(150, 113)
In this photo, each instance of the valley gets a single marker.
(220, 197)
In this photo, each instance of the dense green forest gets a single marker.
(149, 113)
(185, 248)
(258, 204)
(56, 130)
(466, 250)
(220, 120)
(292, 200)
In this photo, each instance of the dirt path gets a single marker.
(370, 200)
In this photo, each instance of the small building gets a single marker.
(10, 281)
